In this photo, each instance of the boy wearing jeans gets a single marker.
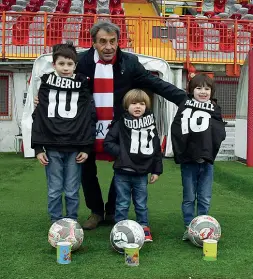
(197, 132)
(63, 130)
(134, 141)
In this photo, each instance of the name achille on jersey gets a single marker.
(143, 122)
(196, 104)
(63, 82)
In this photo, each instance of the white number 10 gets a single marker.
(189, 121)
(62, 104)
(140, 140)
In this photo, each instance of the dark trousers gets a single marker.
(92, 191)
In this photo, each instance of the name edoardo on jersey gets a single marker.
(66, 112)
(197, 131)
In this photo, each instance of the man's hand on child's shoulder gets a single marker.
(153, 178)
(81, 157)
(42, 157)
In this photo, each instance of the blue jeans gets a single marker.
(135, 185)
(197, 180)
(63, 176)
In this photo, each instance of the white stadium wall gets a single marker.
(242, 113)
(241, 138)
(10, 128)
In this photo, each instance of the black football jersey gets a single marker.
(65, 114)
(135, 144)
(197, 131)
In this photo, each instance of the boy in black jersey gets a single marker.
(197, 132)
(63, 130)
(134, 141)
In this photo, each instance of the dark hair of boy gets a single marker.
(66, 50)
(201, 80)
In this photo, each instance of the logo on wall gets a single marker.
(24, 97)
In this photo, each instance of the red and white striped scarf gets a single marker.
(103, 96)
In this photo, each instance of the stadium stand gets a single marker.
(218, 32)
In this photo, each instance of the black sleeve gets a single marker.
(81, 67)
(34, 113)
(93, 117)
(144, 79)
(111, 142)
(219, 128)
(86, 149)
(217, 114)
(158, 163)
(93, 112)
(38, 149)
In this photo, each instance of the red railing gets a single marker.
(179, 40)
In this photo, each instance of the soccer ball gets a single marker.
(68, 230)
(203, 227)
(126, 231)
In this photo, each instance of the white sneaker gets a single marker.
(185, 235)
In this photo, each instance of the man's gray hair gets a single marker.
(106, 26)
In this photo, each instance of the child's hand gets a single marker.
(36, 101)
(42, 157)
(153, 178)
(81, 157)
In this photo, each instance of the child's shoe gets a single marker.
(148, 236)
(185, 235)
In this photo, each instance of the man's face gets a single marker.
(106, 45)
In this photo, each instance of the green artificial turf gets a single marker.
(25, 252)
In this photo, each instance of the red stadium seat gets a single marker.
(9, 2)
(63, 6)
(209, 14)
(85, 39)
(4, 7)
(196, 37)
(250, 7)
(244, 3)
(90, 4)
(64, 3)
(227, 39)
(54, 30)
(38, 3)
(114, 4)
(236, 16)
(118, 11)
(90, 11)
(62, 9)
(32, 8)
(20, 30)
(219, 6)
